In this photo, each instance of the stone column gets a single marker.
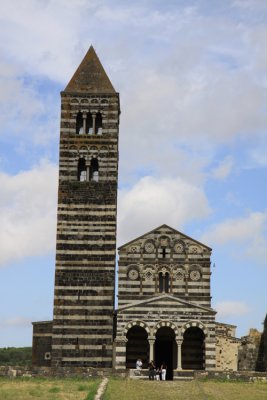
(179, 354)
(120, 352)
(151, 342)
(93, 117)
(84, 123)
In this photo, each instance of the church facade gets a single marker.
(164, 302)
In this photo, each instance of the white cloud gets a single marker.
(152, 202)
(223, 170)
(249, 232)
(28, 213)
(237, 229)
(16, 322)
(231, 309)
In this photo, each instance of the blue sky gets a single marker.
(193, 139)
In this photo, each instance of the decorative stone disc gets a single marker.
(178, 248)
(133, 274)
(195, 275)
(149, 247)
(133, 249)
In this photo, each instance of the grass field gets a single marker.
(193, 390)
(119, 389)
(48, 389)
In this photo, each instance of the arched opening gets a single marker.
(166, 350)
(193, 349)
(82, 175)
(79, 124)
(89, 124)
(98, 124)
(137, 346)
(94, 170)
(164, 282)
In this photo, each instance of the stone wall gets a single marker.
(226, 347)
(42, 343)
(251, 352)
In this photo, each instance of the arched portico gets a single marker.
(137, 345)
(193, 347)
(166, 349)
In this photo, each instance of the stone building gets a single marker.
(164, 300)
(164, 311)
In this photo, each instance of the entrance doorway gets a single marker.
(166, 350)
(193, 349)
(136, 346)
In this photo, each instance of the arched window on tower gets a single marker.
(89, 124)
(82, 175)
(79, 123)
(164, 282)
(94, 170)
(98, 124)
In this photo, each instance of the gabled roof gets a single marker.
(90, 76)
(162, 297)
(158, 228)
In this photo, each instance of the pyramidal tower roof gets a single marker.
(90, 76)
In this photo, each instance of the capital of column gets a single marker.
(151, 340)
(121, 339)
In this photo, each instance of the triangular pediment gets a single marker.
(163, 230)
(90, 76)
(165, 297)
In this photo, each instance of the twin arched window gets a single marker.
(89, 123)
(89, 173)
(164, 282)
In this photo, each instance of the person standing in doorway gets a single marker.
(163, 371)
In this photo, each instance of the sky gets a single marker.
(192, 77)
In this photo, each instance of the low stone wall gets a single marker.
(14, 371)
(245, 376)
(84, 372)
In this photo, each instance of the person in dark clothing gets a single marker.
(151, 370)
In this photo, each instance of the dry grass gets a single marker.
(47, 389)
(193, 390)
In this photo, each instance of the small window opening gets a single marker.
(98, 124)
(82, 170)
(89, 124)
(94, 175)
(164, 282)
(160, 282)
(79, 124)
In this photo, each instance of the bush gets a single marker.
(16, 356)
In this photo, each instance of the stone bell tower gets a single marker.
(82, 332)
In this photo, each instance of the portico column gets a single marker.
(179, 353)
(151, 342)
